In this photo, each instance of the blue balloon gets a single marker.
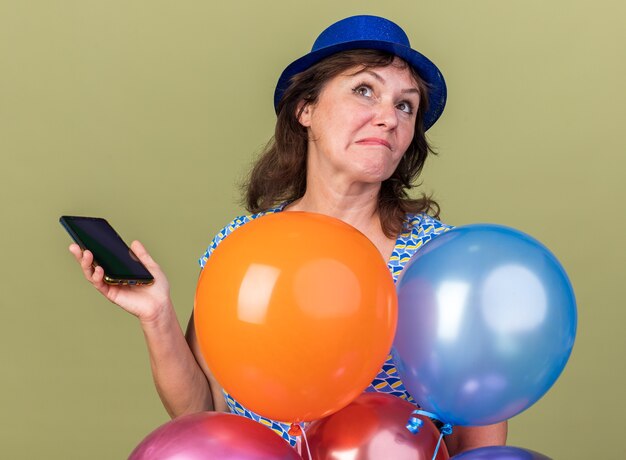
(486, 324)
(500, 453)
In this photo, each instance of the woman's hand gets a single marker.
(145, 302)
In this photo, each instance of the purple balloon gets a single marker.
(500, 453)
(213, 435)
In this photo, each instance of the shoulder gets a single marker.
(231, 227)
(418, 230)
(423, 227)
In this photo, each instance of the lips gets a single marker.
(374, 141)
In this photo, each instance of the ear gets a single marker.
(303, 113)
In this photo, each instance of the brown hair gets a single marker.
(280, 172)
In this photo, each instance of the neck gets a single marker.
(357, 209)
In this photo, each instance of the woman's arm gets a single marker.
(472, 437)
(219, 403)
(179, 379)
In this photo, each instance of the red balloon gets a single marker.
(213, 435)
(371, 428)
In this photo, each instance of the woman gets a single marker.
(349, 143)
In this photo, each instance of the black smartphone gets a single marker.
(110, 252)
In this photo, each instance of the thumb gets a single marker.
(142, 254)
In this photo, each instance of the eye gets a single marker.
(405, 107)
(363, 90)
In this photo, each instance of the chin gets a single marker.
(375, 175)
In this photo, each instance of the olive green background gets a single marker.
(148, 113)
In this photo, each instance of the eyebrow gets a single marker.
(382, 80)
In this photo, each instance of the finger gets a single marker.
(142, 254)
(86, 264)
(97, 278)
(76, 251)
(86, 259)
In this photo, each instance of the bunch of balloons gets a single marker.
(296, 312)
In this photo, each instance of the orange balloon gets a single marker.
(295, 314)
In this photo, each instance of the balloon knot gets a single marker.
(295, 430)
(414, 424)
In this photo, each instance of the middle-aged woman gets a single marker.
(349, 143)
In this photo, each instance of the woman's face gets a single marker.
(362, 123)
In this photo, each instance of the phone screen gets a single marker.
(109, 250)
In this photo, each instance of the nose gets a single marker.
(386, 115)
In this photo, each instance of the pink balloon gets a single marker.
(213, 435)
(373, 427)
